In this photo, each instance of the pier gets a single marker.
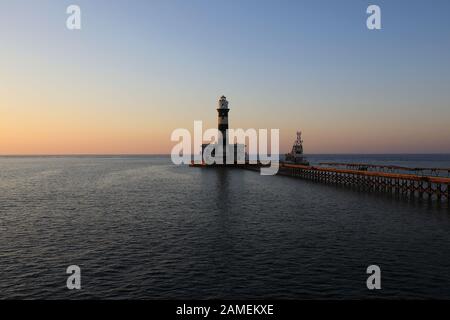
(416, 186)
(445, 172)
(425, 187)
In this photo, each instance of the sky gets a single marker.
(137, 70)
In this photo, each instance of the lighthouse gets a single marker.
(235, 151)
(222, 120)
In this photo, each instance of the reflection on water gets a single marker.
(140, 227)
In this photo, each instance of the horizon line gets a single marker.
(168, 154)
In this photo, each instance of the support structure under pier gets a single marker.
(417, 186)
(432, 188)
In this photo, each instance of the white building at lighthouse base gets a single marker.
(213, 153)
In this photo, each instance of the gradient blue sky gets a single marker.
(139, 69)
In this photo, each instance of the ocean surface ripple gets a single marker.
(143, 228)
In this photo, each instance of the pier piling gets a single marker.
(432, 188)
(413, 185)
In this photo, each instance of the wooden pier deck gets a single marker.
(428, 187)
(445, 172)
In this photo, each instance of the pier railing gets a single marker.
(432, 188)
(445, 172)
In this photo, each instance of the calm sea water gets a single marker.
(140, 227)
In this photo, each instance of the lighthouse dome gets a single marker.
(223, 103)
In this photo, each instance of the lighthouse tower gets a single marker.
(235, 151)
(222, 111)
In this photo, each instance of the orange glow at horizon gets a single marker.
(47, 118)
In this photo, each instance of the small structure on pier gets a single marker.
(296, 154)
